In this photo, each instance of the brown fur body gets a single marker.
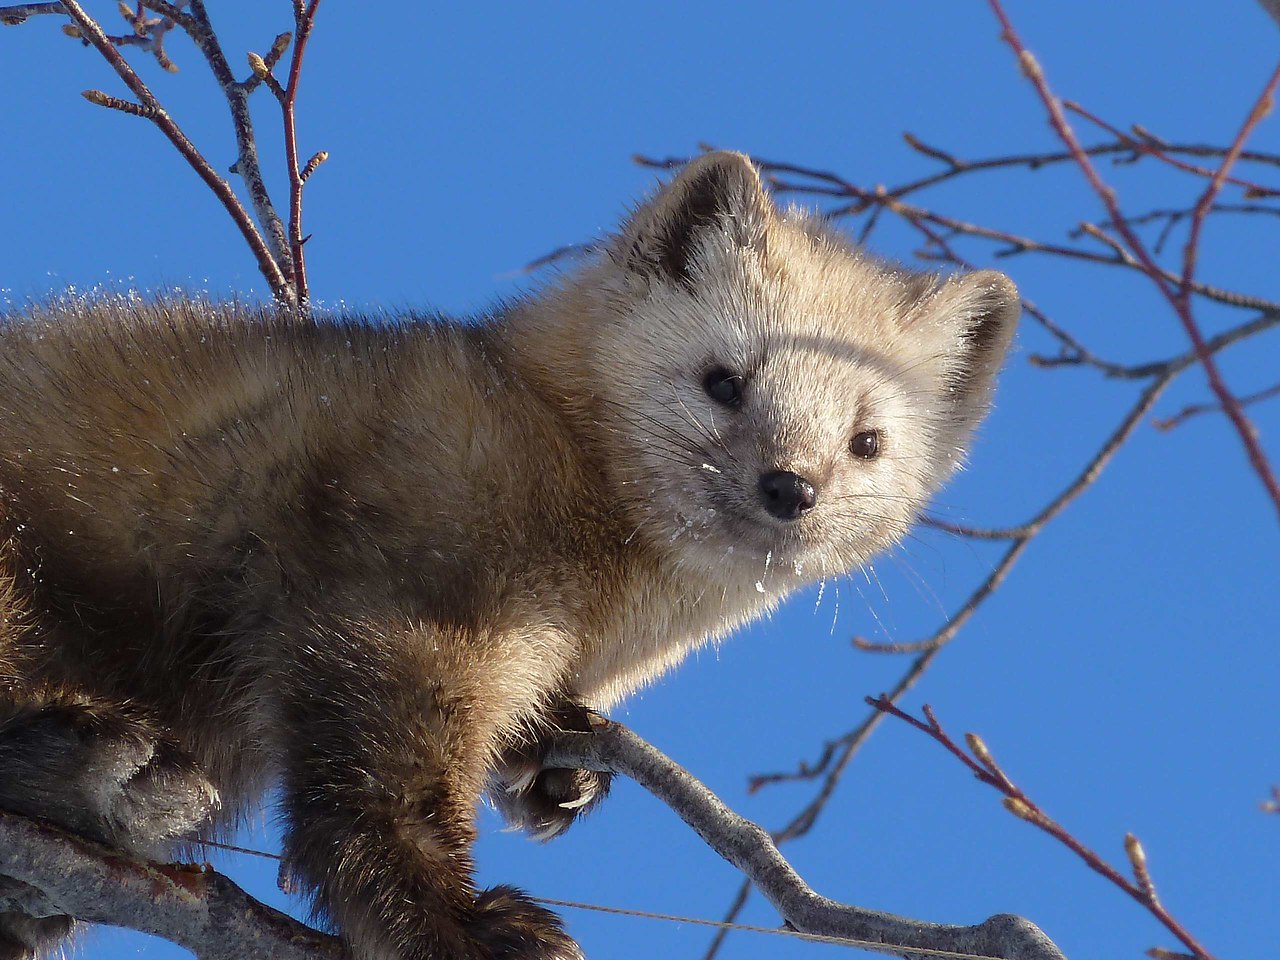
(378, 561)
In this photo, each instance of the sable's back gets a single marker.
(144, 429)
(165, 434)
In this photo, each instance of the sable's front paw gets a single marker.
(544, 803)
(513, 927)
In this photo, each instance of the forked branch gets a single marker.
(201, 910)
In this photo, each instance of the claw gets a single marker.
(581, 801)
(522, 782)
(548, 831)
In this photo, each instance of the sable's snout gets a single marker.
(787, 495)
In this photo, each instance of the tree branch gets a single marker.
(11, 16)
(1022, 535)
(201, 910)
(752, 850)
(1195, 409)
(198, 27)
(191, 906)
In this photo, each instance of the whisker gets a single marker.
(640, 419)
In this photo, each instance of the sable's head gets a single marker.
(771, 393)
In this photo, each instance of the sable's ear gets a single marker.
(979, 312)
(718, 191)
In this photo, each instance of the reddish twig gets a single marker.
(1186, 413)
(1152, 147)
(1171, 218)
(305, 20)
(985, 768)
(287, 96)
(1178, 295)
(93, 34)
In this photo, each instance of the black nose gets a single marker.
(787, 494)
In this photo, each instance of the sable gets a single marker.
(385, 563)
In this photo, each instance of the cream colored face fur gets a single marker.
(827, 342)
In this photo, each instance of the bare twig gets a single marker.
(1153, 147)
(831, 768)
(115, 103)
(148, 33)
(17, 13)
(267, 264)
(198, 27)
(983, 766)
(287, 96)
(1182, 300)
(304, 20)
(1177, 294)
(1024, 534)
(1176, 364)
(1169, 219)
(280, 257)
(752, 850)
(1195, 409)
(1016, 244)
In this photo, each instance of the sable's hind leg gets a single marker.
(98, 770)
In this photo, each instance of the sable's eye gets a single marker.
(865, 444)
(723, 386)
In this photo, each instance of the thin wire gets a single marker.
(234, 849)
(774, 931)
(698, 921)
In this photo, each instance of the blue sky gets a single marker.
(1125, 674)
